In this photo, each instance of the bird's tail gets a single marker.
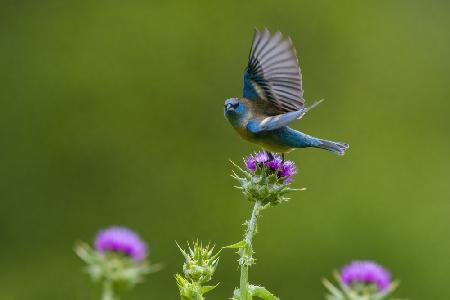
(336, 147)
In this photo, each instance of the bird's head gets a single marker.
(234, 108)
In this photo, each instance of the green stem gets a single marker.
(247, 251)
(244, 282)
(108, 291)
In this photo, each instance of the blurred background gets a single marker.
(112, 113)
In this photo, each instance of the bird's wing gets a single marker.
(278, 121)
(273, 74)
(275, 122)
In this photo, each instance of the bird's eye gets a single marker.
(236, 105)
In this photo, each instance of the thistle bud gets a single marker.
(200, 262)
(198, 268)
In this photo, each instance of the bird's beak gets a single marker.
(228, 107)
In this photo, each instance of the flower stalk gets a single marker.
(264, 182)
(108, 291)
(246, 252)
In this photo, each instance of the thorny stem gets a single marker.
(246, 252)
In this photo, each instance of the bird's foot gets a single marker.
(282, 158)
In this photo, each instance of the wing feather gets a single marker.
(273, 73)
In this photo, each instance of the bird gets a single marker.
(273, 98)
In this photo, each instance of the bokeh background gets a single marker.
(112, 113)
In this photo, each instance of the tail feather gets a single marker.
(336, 147)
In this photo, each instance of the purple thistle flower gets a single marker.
(274, 164)
(250, 163)
(261, 157)
(288, 180)
(122, 240)
(288, 169)
(367, 272)
(285, 169)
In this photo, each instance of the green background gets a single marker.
(112, 113)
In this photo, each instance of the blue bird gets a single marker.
(273, 98)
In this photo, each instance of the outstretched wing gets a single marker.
(273, 74)
(274, 122)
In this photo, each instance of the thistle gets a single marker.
(265, 179)
(198, 269)
(265, 182)
(118, 261)
(361, 280)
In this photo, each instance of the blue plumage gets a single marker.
(273, 98)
